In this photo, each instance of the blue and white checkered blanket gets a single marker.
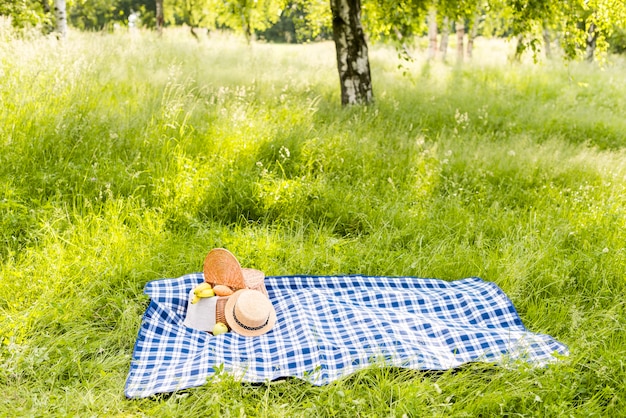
(328, 327)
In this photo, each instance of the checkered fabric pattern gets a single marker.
(328, 327)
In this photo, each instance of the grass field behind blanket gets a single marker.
(124, 160)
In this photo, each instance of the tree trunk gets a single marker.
(460, 34)
(193, 33)
(61, 18)
(472, 35)
(592, 36)
(352, 56)
(159, 16)
(432, 33)
(246, 25)
(520, 47)
(445, 33)
(546, 43)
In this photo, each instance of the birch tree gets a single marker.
(445, 35)
(547, 41)
(460, 37)
(160, 16)
(471, 35)
(352, 53)
(432, 33)
(60, 15)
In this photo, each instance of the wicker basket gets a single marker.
(219, 309)
(222, 267)
(254, 279)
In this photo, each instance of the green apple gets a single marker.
(220, 328)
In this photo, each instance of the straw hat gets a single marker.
(249, 313)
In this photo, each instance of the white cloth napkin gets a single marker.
(201, 315)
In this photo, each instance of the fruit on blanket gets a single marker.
(222, 290)
(220, 328)
(201, 287)
(203, 290)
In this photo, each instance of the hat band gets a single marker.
(247, 327)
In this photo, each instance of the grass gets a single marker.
(124, 160)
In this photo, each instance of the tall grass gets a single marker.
(124, 160)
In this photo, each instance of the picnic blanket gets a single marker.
(328, 327)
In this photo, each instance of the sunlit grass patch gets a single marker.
(124, 160)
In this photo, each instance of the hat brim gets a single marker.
(229, 312)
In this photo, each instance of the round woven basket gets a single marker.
(222, 267)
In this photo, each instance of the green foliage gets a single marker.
(392, 19)
(248, 17)
(243, 16)
(301, 21)
(24, 13)
(125, 159)
(575, 21)
(102, 14)
(82, 14)
(460, 9)
(194, 13)
(617, 40)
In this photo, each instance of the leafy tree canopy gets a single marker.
(25, 13)
(100, 14)
(574, 21)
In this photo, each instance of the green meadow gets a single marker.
(126, 159)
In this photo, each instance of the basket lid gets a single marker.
(222, 267)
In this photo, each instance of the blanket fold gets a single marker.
(330, 326)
